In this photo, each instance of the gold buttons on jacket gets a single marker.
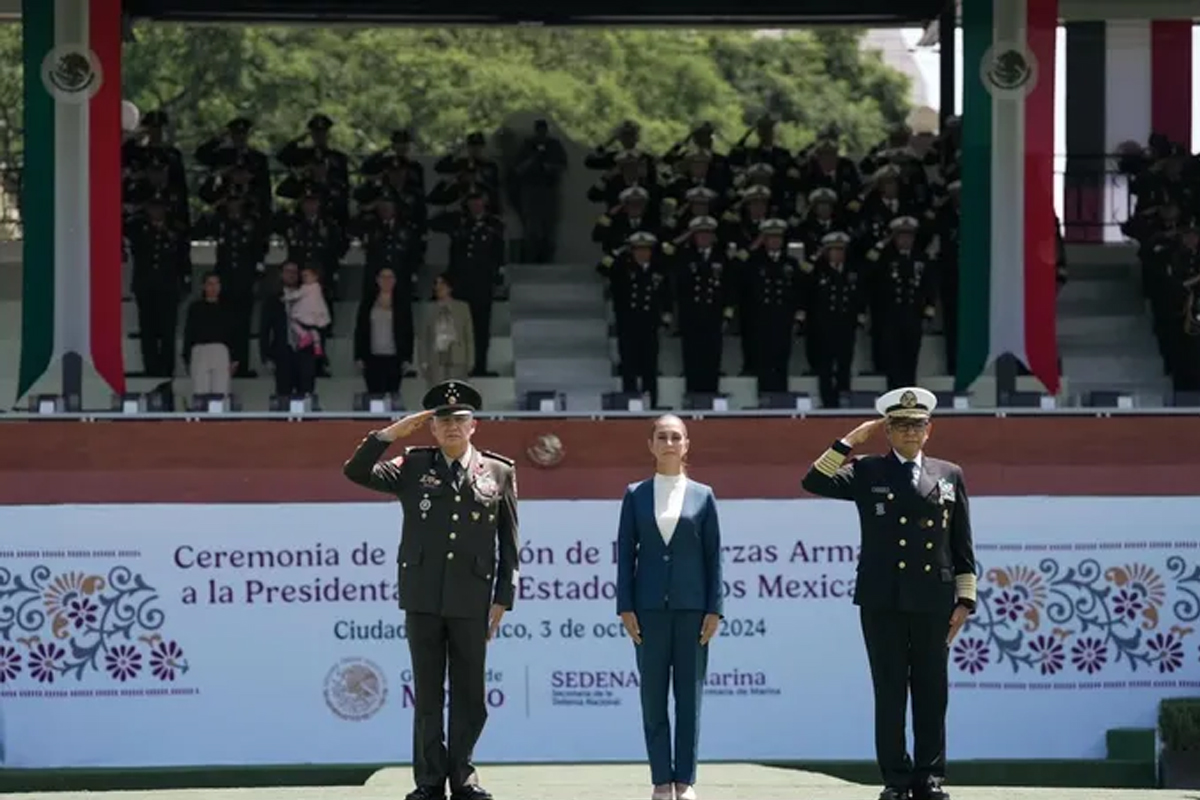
(929, 545)
(454, 517)
(891, 496)
(453, 535)
(450, 555)
(902, 565)
(928, 568)
(903, 542)
(904, 520)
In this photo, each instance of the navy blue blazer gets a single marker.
(684, 575)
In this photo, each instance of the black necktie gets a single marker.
(912, 470)
(456, 473)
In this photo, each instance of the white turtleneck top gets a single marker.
(668, 503)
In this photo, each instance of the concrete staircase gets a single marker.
(1104, 328)
(560, 333)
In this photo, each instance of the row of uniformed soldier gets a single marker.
(773, 296)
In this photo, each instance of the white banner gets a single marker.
(159, 635)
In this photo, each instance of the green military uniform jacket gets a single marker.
(458, 547)
(917, 552)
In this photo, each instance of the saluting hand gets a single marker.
(709, 627)
(863, 432)
(957, 619)
(405, 426)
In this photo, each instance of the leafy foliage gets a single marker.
(446, 82)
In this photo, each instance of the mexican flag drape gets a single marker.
(71, 188)
(1008, 252)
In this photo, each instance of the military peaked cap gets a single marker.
(908, 402)
(452, 398)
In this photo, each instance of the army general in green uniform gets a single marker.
(916, 581)
(457, 574)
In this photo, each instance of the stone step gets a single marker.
(1117, 328)
(586, 335)
(538, 274)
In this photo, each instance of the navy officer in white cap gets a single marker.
(457, 574)
(916, 580)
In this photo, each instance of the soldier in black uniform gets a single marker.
(834, 298)
(477, 257)
(902, 295)
(641, 300)
(772, 292)
(457, 574)
(700, 278)
(161, 275)
(916, 581)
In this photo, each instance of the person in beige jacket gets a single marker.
(447, 338)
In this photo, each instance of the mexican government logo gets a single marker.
(71, 73)
(1009, 70)
(355, 689)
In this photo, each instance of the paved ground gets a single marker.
(624, 782)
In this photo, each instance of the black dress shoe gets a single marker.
(426, 793)
(894, 793)
(474, 792)
(930, 791)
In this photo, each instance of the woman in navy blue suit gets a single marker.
(669, 596)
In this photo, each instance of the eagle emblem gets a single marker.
(71, 73)
(1009, 70)
(908, 400)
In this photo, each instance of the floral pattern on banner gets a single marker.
(1081, 620)
(55, 626)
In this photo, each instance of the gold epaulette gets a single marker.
(503, 459)
(964, 586)
(606, 262)
(806, 266)
(604, 221)
(829, 463)
(872, 254)
(853, 205)
(730, 216)
(668, 248)
(742, 255)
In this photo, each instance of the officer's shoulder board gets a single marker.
(806, 266)
(873, 253)
(419, 450)
(731, 216)
(604, 221)
(742, 255)
(668, 249)
(508, 462)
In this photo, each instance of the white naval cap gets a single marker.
(911, 402)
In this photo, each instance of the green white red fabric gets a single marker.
(71, 300)
(1007, 258)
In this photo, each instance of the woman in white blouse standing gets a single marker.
(670, 597)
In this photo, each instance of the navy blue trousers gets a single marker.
(671, 660)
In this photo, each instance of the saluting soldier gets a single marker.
(697, 202)
(223, 151)
(397, 156)
(626, 137)
(319, 163)
(834, 308)
(740, 229)
(703, 296)
(902, 297)
(634, 213)
(772, 294)
(641, 301)
(457, 575)
(917, 583)
(820, 219)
